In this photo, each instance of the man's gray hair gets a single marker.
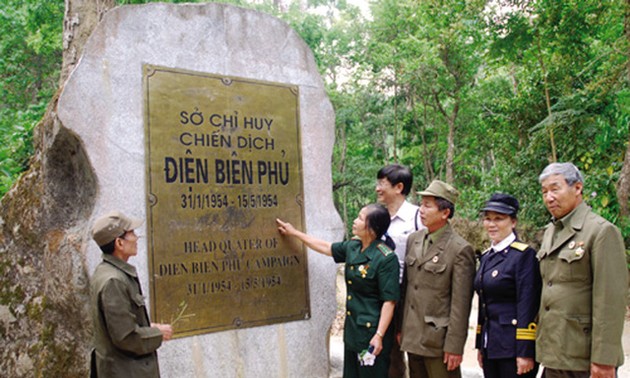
(569, 171)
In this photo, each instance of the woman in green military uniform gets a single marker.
(372, 287)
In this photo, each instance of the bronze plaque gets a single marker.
(223, 162)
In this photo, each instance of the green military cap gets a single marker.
(111, 226)
(441, 189)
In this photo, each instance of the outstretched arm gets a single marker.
(312, 242)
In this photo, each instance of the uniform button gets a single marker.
(412, 307)
(514, 321)
(549, 284)
(483, 305)
(416, 287)
(348, 313)
(352, 267)
(349, 297)
(586, 330)
(368, 324)
(546, 308)
(349, 282)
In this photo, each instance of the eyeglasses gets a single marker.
(384, 183)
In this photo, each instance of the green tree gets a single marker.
(483, 97)
(568, 62)
(30, 59)
(429, 53)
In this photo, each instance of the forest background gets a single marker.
(481, 94)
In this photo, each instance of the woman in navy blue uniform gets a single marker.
(372, 288)
(508, 284)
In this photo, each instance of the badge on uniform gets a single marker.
(580, 251)
(363, 269)
(495, 273)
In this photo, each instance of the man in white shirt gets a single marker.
(393, 184)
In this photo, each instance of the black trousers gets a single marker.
(505, 368)
(397, 365)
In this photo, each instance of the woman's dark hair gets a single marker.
(377, 220)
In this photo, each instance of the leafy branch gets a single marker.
(180, 314)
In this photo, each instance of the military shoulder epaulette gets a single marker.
(385, 250)
(520, 246)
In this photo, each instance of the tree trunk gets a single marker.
(395, 136)
(426, 155)
(543, 69)
(451, 120)
(342, 169)
(623, 185)
(80, 19)
(43, 232)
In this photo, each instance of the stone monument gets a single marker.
(208, 121)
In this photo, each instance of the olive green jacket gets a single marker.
(438, 290)
(124, 342)
(371, 279)
(583, 300)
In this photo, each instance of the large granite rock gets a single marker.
(93, 160)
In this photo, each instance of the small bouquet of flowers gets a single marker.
(366, 358)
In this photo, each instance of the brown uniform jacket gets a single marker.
(438, 293)
(125, 344)
(584, 287)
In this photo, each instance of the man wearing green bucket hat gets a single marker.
(438, 289)
(125, 341)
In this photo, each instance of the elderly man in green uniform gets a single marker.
(125, 342)
(583, 268)
(439, 273)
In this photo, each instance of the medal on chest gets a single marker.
(363, 269)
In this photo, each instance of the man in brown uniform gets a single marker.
(584, 274)
(125, 342)
(439, 273)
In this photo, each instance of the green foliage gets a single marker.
(580, 45)
(30, 58)
(575, 49)
(404, 78)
